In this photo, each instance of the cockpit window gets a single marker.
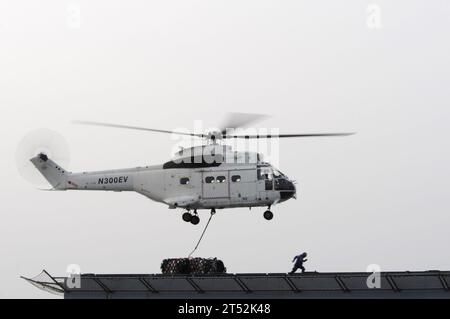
(264, 173)
(277, 173)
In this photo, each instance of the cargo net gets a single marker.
(186, 266)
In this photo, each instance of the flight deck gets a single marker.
(414, 284)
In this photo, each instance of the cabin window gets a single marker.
(221, 179)
(209, 179)
(184, 181)
(236, 178)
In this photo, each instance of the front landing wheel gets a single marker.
(268, 215)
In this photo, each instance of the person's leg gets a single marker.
(294, 270)
(302, 268)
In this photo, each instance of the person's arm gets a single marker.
(294, 258)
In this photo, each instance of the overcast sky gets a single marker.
(381, 196)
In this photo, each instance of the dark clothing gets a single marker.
(299, 260)
(297, 267)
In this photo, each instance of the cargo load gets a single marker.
(199, 266)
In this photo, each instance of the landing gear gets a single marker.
(187, 217)
(268, 215)
(195, 220)
(191, 218)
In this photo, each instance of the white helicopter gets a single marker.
(211, 176)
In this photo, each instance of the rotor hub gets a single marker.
(43, 157)
(214, 136)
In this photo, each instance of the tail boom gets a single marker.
(60, 179)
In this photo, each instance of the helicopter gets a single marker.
(207, 177)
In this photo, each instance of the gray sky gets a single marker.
(381, 196)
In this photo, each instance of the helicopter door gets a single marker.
(215, 184)
(243, 186)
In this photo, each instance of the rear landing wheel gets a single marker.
(187, 217)
(195, 220)
(268, 215)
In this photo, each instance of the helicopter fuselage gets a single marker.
(208, 176)
(188, 186)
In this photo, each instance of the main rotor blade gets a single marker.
(239, 120)
(287, 135)
(134, 128)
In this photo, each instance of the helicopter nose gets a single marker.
(295, 190)
(285, 195)
(288, 190)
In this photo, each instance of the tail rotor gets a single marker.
(45, 144)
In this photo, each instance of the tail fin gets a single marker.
(53, 173)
